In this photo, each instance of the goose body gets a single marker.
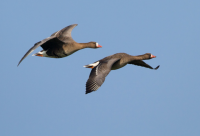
(60, 44)
(101, 68)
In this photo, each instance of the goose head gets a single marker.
(95, 45)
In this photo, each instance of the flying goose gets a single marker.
(60, 44)
(101, 68)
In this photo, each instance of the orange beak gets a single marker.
(99, 46)
(152, 56)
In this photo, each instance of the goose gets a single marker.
(60, 44)
(101, 68)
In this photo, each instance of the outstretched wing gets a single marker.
(142, 64)
(98, 74)
(35, 46)
(65, 34)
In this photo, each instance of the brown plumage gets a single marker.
(60, 44)
(101, 68)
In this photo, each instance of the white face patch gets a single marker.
(97, 44)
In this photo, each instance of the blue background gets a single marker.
(45, 96)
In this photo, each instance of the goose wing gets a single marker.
(35, 46)
(64, 34)
(98, 74)
(142, 64)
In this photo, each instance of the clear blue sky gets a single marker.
(46, 97)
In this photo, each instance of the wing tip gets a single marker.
(74, 25)
(88, 91)
(157, 67)
(19, 62)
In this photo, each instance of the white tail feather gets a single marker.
(92, 65)
(42, 53)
